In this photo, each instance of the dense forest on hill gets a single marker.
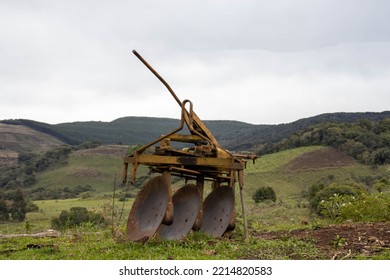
(366, 140)
(262, 134)
(233, 135)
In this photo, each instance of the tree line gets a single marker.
(13, 206)
(23, 175)
(365, 140)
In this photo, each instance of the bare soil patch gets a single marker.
(8, 157)
(87, 173)
(341, 241)
(107, 150)
(21, 138)
(326, 157)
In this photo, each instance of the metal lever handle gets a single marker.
(158, 77)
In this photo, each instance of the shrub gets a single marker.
(330, 191)
(372, 208)
(31, 206)
(330, 208)
(19, 207)
(75, 217)
(263, 194)
(4, 213)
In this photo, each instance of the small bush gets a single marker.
(31, 206)
(4, 212)
(369, 208)
(330, 191)
(373, 208)
(330, 208)
(75, 217)
(263, 194)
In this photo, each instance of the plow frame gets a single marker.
(205, 161)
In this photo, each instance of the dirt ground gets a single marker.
(341, 241)
(8, 158)
(106, 150)
(323, 158)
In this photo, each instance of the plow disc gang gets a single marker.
(148, 210)
(186, 205)
(218, 211)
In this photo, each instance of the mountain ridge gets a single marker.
(232, 134)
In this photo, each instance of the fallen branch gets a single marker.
(48, 233)
(347, 255)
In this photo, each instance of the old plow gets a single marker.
(157, 211)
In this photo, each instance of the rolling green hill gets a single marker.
(232, 135)
(18, 138)
(290, 172)
(365, 140)
(23, 138)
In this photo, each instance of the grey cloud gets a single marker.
(79, 52)
(275, 25)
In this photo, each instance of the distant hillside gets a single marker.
(18, 138)
(233, 135)
(368, 141)
(23, 138)
(289, 172)
(262, 134)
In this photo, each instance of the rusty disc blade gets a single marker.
(186, 205)
(218, 210)
(148, 210)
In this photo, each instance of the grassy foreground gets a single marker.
(89, 243)
(290, 212)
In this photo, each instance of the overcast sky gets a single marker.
(262, 62)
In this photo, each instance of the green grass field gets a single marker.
(99, 171)
(289, 212)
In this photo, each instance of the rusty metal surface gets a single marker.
(205, 160)
(186, 204)
(218, 209)
(223, 163)
(193, 122)
(148, 210)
